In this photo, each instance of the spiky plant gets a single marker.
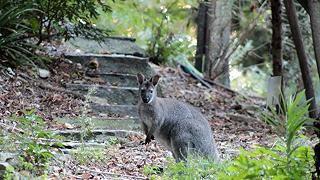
(289, 122)
(14, 49)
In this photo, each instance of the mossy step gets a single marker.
(111, 94)
(111, 45)
(119, 110)
(119, 79)
(114, 63)
(109, 124)
(96, 135)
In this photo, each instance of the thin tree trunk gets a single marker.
(303, 61)
(218, 36)
(317, 158)
(313, 9)
(314, 12)
(277, 50)
(304, 4)
(276, 37)
(201, 36)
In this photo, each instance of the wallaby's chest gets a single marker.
(147, 115)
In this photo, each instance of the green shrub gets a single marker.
(194, 168)
(9, 173)
(290, 158)
(264, 163)
(34, 144)
(14, 49)
(85, 155)
(25, 24)
(163, 28)
(62, 18)
(67, 18)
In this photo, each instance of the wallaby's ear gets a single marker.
(155, 79)
(140, 78)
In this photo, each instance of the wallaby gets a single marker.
(178, 126)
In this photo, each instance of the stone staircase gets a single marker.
(113, 102)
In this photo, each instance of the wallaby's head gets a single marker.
(147, 88)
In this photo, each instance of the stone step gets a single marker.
(129, 111)
(114, 63)
(110, 45)
(111, 94)
(103, 123)
(119, 79)
(97, 135)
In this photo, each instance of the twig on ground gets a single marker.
(242, 118)
(11, 128)
(113, 174)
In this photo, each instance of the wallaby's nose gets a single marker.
(145, 99)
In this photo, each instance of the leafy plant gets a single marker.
(194, 168)
(289, 158)
(86, 121)
(63, 19)
(36, 145)
(8, 174)
(264, 163)
(163, 28)
(150, 170)
(14, 49)
(290, 121)
(68, 18)
(22, 23)
(113, 141)
(85, 155)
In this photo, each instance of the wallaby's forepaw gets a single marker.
(148, 139)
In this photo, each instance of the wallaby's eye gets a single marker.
(151, 90)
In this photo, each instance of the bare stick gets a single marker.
(113, 174)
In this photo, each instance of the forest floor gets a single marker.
(234, 119)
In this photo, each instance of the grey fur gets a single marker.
(178, 126)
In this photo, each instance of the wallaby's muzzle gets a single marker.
(146, 99)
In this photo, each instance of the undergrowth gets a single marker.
(28, 138)
(87, 155)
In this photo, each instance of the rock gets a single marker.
(10, 71)
(4, 156)
(68, 126)
(79, 66)
(43, 73)
(97, 135)
(6, 170)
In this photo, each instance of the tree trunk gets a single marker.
(304, 4)
(277, 50)
(218, 35)
(314, 12)
(276, 37)
(303, 62)
(201, 36)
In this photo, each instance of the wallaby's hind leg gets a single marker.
(179, 150)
